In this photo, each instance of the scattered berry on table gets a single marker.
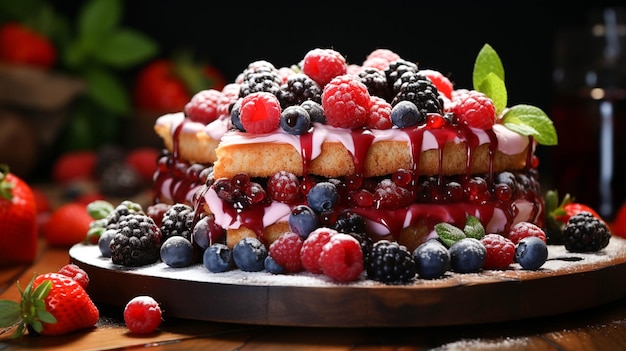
(341, 258)
(137, 241)
(432, 260)
(249, 254)
(500, 251)
(524, 229)
(467, 255)
(584, 232)
(76, 273)
(312, 249)
(142, 315)
(285, 250)
(177, 252)
(531, 253)
(391, 263)
(217, 258)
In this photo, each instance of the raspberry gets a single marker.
(500, 251)
(203, 106)
(441, 82)
(230, 94)
(286, 251)
(475, 110)
(260, 113)
(284, 187)
(76, 273)
(379, 115)
(312, 249)
(142, 315)
(342, 258)
(346, 102)
(524, 229)
(322, 65)
(380, 58)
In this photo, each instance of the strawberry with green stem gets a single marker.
(18, 219)
(52, 304)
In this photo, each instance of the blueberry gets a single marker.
(217, 258)
(104, 242)
(302, 220)
(177, 252)
(406, 114)
(272, 266)
(531, 252)
(249, 254)
(295, 120)
(322, 196)
(432, 259)
(235, 119)
(206, 232)
(315, 110)
(467, 255)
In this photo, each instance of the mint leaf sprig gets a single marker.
(488, 78)
(450, 234)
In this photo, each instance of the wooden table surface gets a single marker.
(600, 328)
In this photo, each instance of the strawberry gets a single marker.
(21, 45)
(618, 227)
(557, 214)
(52, 304)
(18, 219)
(74, 165)
(144, 161)
(68, 225)
(166, 85)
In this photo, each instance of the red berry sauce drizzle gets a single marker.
(433, 199)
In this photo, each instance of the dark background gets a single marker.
(445, 36)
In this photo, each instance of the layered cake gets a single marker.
(384, 146)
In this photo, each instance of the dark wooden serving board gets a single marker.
(567, 282)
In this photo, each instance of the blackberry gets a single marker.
(376, 82)
(349, 222)
(264, 78)
(397, 68)
(299, 88)
(391, 263)
(421, 91)
(177, 221)
(366, 243)
(125, 208)
(137, 241)
(585, 233)
(120, 180)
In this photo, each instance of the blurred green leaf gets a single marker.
(124, 48)
(96, 20)
(107, 90)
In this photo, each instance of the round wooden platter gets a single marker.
(567, 282)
